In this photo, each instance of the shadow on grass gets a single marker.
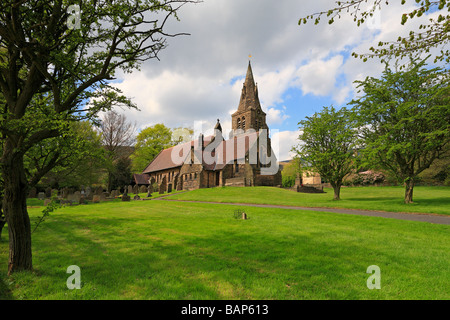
(5, 292)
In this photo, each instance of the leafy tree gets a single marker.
(149, 143)
(328, 145)
(290, 172)
(435, 34)
(50, 67)
(405, 120)
(121, 174)
(118, 135)
(79, 157)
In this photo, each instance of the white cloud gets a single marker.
(319, 76)
(283, 141)
(199, 77)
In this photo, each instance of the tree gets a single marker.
(118, 135)
(79, 155)
(436, 34)
(149, 143)
(290, 172)
(329, 145)
(51, 63)
(121, 174)
(404, 120)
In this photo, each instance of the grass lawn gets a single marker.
(175, 250)
(435, 200)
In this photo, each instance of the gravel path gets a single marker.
(436, 219)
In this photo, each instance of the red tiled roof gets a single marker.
(225, 153)
(141, 179)
(164, 159)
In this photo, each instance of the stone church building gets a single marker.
(245, 159)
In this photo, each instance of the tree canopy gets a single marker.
(435, 34)
(150, 142)
(54, 71)
(328, 145)
(404, 120)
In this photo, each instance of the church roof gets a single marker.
(164, 159)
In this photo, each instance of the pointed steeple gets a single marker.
(249, 96)
(249, 114)
(218, 126)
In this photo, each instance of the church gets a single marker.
(245, 159)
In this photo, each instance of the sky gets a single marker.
(299, 69)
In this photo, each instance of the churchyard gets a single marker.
(177, 250)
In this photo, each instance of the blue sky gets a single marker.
(299, 69)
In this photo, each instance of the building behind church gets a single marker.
(245, 159)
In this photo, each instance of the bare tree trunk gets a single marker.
(15, 209)
(409, 184)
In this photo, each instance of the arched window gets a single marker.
(239, 123)
(243, 123)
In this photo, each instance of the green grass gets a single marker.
(434, 200)
(175, 250)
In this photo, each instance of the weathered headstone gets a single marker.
(169, 188)
(41, 196)
(96, 198)
(129, 189)
(142, 189)
(135, 189)
(99, 191)
(82, 199)
(77, 196)
(136, 197)
(65, 193)
(125, 197)
(163, 186)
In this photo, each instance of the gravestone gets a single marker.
(136, 197)
(65, 192)
(32, 193)
(135, 189)
(163, 186)
(129, 189)
(82, 199)
(99, 191)
(103, 197)
(88, 191)
(149, 191)
(41, 196)
(125, 197)
(96, 198)
(77, 196)
(142, 189)
(169, 188)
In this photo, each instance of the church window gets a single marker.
(243, 123)
(239, 123)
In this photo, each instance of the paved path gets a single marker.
(436, 219)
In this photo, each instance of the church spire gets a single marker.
(249, 114)
(249, 96)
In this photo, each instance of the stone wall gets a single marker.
(169, 174)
